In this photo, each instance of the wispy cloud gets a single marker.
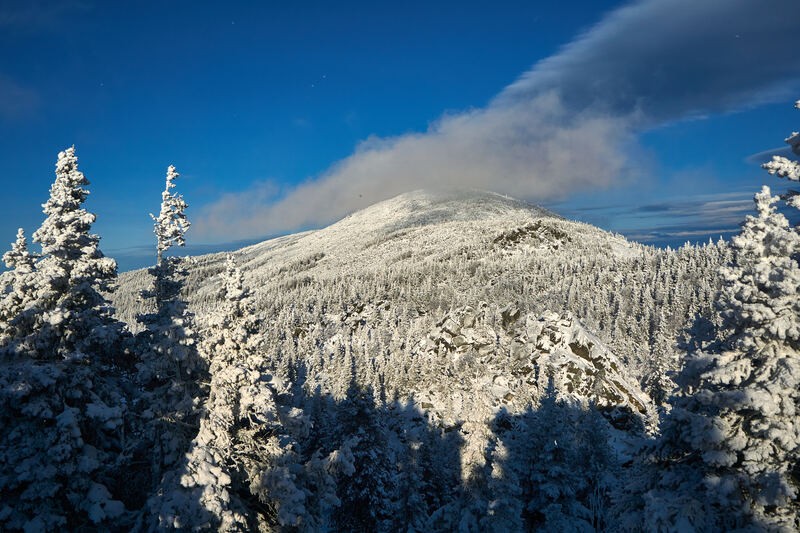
(538, 150)
(675, 220)
(663, 60)
(567, 125)
(767, 155)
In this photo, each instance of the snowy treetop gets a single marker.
(171, 224)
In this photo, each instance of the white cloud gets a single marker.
(535, 150)
(567, 125)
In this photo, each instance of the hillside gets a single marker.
(463, 322)
(436, 362)
(425, 254)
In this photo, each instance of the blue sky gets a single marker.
(637, 116)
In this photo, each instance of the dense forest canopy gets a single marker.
(439, 361)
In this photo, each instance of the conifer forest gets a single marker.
(440, 361)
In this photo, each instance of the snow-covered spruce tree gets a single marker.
(784, 167)
(730, 450)
(62, 401)
(69, 313)
(368, 495)
(279, 450)
(170, 370)
(20, 288)
(562, 463)
(169, 337)
(761, 304)
(509, 472)
(246, 468)
(171, 224)
(232, 330)
(61, 451)
(658, 382)
(204, 490)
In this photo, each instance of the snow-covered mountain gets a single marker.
(390, 286)
(423, 254)
(439, 361)
(469, 311)
(412, 230)
(400, 267)
(434, 224)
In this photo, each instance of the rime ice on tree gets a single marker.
(731, 445)
(170, 325)
(18, 293)
(61, 402)
(761, 292)
(171, 371)
(72, 315)
(171, 223)
(783, 167)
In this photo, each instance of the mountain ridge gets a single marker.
(447, 250)
(404, 219)
(467, 332)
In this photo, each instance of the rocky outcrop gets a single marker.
(542, 233)
(520, 355)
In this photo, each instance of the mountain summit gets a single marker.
(433, 224)
(400, 268)
(425, 207)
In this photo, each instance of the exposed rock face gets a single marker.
(521, 355)
(540, 234)
(581, 365)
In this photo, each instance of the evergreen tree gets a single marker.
(62, 461)
(171, 371)
(658, 381)
(786, 168)
(760, 296)
(19, 291)
(566, 456)
(169, 339)
(509, 476)
(204, 490)
(19, 258)
(64, 412)
(71, 312)
(232, 331)
(171, 223)
(730, 449)
(370, 492)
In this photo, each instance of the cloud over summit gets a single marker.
(569, 124)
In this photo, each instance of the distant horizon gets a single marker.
(143, 256)
(137, 257)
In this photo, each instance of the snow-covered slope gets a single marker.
(413, 229)
(430, 223)
(418, 257)
(453, 353)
